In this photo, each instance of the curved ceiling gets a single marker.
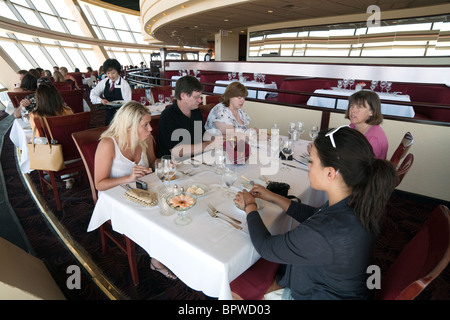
(200, 28)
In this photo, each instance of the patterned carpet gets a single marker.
(404, 217)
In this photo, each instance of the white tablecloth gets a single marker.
(208, 253)
(21, 134)
(251, 92)
(386, 109)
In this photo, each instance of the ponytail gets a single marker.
(370, 197)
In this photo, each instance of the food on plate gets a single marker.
(196, 190)
(182, 201)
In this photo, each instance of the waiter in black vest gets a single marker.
(111, 88)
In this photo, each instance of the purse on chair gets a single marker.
(48, 156)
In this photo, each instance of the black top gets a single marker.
(172, 119)
(325, 257)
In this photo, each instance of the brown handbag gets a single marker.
(47, 156)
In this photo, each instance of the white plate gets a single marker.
(246, 185)
(198, 185)
(116, 103)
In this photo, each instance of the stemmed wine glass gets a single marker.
(339, 84)
(300, 128)
(144, 100)
(229, 178)
(388, 87)
(287, 149)
(373, 85)
(351, 82)
(314, 132)
(345, 83)
(161, 98)
(383, 85)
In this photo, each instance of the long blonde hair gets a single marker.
(127, 119)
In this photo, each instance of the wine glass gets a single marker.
(169, 166)
(233, 74)
(373, 85)
(287, 149)
(345, 83)
(229, 178)
(229, 76)
(351, 82)
(388, 87)
(340, 84)
(144, 100)
(182, 202)
(383, 85)
(314, 132)
(300, 128)
(160, 170)
(167, 100)
(161, 98)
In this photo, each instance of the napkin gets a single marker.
(238, 152)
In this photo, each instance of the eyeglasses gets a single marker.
(332, 132)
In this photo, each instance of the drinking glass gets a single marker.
(143, 101)
(373, 85)
(233, 74)
(229, 77)
(161, 98)
(287, 149)
(351, 82)
(182, 219)
(345, 83)
(229, 177)
(388, 87)
(167, 100)
(314, 132)
(220, 158)
(169, 167)
(340, 84)
(300, 128)
(160, 170)
(383, 85)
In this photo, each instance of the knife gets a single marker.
(290, 165)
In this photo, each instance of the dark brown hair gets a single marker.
(373, 101)
(49, 101)
(371, 180)
(234, 89)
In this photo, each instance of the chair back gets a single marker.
(65, 85)
(402, 149)
(212, 99)
(404, 167)
(136, 94)
(78, 77)
(421, 260)
(16, 97)
(205, 109)
(87, 142)
(74, 99)
(165, 90)
(62, 128)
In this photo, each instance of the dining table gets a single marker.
(175, 78)
(252, 93)
(208, 253)
(21, 134)
(342, 102)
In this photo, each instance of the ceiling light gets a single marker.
(270, 11)
(226, 20)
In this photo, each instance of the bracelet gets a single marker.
(248, 204)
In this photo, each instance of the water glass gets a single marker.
(220, 157)
(229, 177)
(314, 132)
(164, 208)
(161, 98)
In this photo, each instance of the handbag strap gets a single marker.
(48, 128)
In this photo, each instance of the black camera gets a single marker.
(141, 185)
(32, 104)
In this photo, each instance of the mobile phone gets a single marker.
(141, 185)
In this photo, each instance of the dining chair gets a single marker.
(64, 85)
(421, 260)
(205, 109)
(136, 94)
(403, 169)
(16, 97)
(402, 149)
(212, 99)
(87, 142)
(165, 90)
(255, 281)
(62, 128)
(74, 99)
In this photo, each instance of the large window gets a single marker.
(416, 37)
(29, 52)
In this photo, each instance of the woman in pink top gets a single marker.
(364, 113)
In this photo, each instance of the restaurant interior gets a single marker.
(300, 62)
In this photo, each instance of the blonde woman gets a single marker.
(58, 76)
(68, 77)
(125, 152)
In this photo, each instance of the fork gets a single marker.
(212, 214)
(190, 174)
(214, 210)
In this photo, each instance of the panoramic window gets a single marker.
(415, 37)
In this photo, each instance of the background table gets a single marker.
(251, 92)
(208, 253)
(342, 103)
(21, 134)
(175, 78)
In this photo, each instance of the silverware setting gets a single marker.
(248, 180)
(214, 210)
(187, 173)
(212, 214)
(295, 167)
